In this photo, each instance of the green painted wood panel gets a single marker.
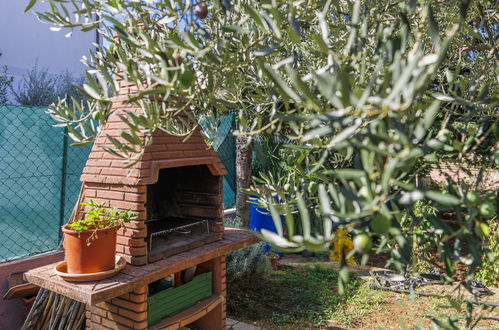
(174, 300)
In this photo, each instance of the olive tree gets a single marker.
(374, 82)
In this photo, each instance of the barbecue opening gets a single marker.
(182, 210)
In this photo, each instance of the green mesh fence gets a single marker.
(40, 178)
(225, 146)
(39, 181)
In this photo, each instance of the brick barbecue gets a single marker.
(175, 183)
(176, 190)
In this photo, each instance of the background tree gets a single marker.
(40, 88)
(375, 82)
(5, 83)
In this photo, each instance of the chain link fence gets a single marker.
(40, 178)
(39, 181)
(225, 145)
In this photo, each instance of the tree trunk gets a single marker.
(244, 155)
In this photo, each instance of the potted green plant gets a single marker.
(90, 242)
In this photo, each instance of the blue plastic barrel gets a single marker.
(262, 219)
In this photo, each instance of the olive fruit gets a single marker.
(362, 243)
(473, 197)
(487, 210)
(201, 10)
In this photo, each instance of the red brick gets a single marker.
(114, 132)
(123, 165)
(138, 261)
(146, 156)
(94, 185)
(140, 325)
(115, 124)
(127, 205)
(132, 233)
(116, 195)
(168, 155)
(107, 306)
(99, 162)
(139, 298)
(132, 242)
(185, 146)
(157, 148)
(135, 225)
(90, 193)
(96, 326)
(117, 172)
(127, 188)
(95, 318)
(136, 316)
(120, 248)
(121, 180)
(95, 154)
(138, 251)
(97, 311)
(92, 170)
(140, 290)
(159, 133)
(196, 153)
(132, 197)
(111, 324)
(120, 319)
(102, 139)
(141, 215)
(136, 307)
(167, 140)
(134, 260)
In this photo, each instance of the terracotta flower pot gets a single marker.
(82, 258)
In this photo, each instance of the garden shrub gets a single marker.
(489, 271)
(248, 260)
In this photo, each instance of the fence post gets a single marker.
(62, 201)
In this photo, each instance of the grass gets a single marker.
(293, 297)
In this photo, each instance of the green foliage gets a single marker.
(489, 271)
(281, 170)
(5, 83)
(379, 82)
(97, 216)
(246, 261)
(295, 296)
(415, 224)
(40, 88)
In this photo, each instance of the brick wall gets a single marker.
(223, 289)
(131, 239)
(128, 311)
